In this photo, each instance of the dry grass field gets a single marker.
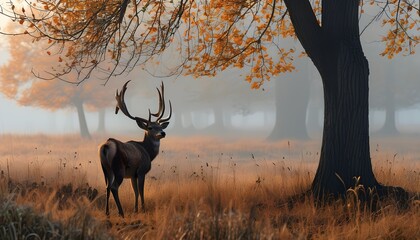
(52, 187)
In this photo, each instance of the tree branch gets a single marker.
(306, 26)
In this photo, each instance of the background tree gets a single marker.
(221, 96)
(292, 89)
(212, 103)
(18, 82)
(215, 35)
(393, 89)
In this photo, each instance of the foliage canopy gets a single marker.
(18, 82)
(114, 36)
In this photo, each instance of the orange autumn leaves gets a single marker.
(403, 23)
(19, 82)
(238, 34)
(209, 35)
(213, 35)
(83, 31)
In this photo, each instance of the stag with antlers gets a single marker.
(133, 159)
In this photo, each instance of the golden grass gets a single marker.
(205, 188)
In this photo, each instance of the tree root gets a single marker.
(395, 194)
(374, 198)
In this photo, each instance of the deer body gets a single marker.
(132, 159)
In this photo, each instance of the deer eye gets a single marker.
(149, 128)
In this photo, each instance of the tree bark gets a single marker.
(84, 131)
(345, 153)
(336, 51)
(292, 98)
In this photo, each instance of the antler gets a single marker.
(123, 107)
(121, 104)
(161, 103)
(162, 106)
(170, 114)
(120, 101)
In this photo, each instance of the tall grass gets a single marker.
(199, 188)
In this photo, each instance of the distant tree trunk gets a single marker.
(218, 117)
(315, 109)
(313, 120)
(177, 125)
(336, 51)
(292, 98)
(101, 121)
(389, 128)
(84, 131)
(218, 126)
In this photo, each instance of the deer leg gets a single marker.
(117, 201)
(140, 180)
(136, 194)
(114, 190)
(108, 187)
(108, 190)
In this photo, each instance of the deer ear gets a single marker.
(141, 123)
(164, 125)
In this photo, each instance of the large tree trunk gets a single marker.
(292, 98)
(345, 151)
(336, 51)
(84, 131)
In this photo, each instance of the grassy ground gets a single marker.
(53, 187)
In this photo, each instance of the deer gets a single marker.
(133, 159)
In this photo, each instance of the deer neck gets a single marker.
(151, 145)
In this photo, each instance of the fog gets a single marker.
(290, 106)
(226, 106)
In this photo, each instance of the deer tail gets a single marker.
(107, 153)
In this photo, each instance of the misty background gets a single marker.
(290, 106)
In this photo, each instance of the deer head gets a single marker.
(154, 128)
